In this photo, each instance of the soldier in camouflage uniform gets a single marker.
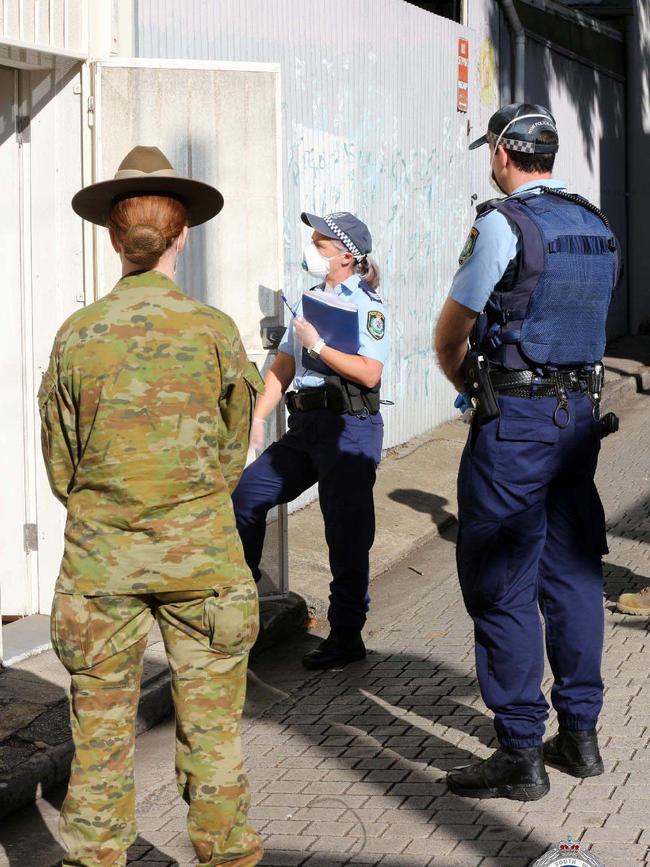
(146, 410)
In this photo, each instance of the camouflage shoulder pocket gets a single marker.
(253, 377)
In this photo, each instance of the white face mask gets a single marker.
(493, 181)
(314, 263)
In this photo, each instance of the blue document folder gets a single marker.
(336, 321)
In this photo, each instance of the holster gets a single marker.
(345, 396)
(479, 388)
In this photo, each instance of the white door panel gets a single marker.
(14, 589)
(219, 123)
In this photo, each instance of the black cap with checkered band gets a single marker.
(517, 127)
(344, 227)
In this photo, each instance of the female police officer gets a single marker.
(146, 410)
(335, 432)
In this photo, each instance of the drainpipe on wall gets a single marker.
(519, 34)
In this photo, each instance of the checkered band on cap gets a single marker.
(344, 238)
(512, 144)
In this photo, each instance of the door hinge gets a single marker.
(30, 537)
(91, 111)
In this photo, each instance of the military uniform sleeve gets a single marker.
(490, 247)
(58, 428)
(241, 383)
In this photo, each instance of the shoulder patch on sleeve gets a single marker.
(470, 243)
(376, 324)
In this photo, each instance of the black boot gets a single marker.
(339, 648)
(576, 753)
(509, 773)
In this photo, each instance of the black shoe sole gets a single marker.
(523, 792)
(580, 771)
(315, 665)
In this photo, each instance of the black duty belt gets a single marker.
(306, 400)
(525, 383)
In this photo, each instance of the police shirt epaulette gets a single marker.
(370, 292)
(486, 206)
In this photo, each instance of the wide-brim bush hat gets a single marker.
(146, 171)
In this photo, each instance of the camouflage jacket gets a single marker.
(146, 409)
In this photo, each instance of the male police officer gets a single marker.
(539, 267)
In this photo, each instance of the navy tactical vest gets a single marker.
(550, 308)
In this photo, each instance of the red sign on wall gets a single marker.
(462, 103)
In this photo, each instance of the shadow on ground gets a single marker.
(425, 502)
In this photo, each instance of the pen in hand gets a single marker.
(284, 298)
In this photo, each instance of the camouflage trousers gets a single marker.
(101, 641)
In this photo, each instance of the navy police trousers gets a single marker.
(531, 538)
(341, 454)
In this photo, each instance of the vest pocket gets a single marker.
(581, 245)
(231, 618)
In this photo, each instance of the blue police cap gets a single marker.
(521, 123)
(345, 227)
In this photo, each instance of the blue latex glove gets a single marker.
(462, 402)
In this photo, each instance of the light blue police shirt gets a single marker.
(369, 345)
(493, 243)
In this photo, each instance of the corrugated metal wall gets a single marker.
(53, 24)
(371, 126)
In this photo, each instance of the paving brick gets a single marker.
(333, 845)
(289, 843)
(634, 854)
(279, 858)
(476, 848)
(500, 861)
(326, 859)
(409, 860)
(623, 832)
